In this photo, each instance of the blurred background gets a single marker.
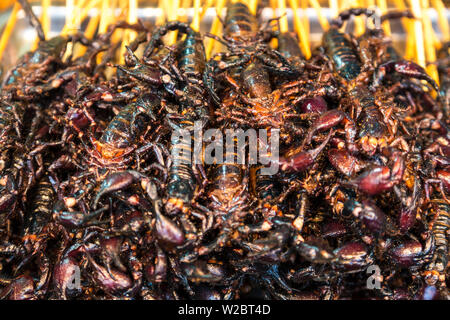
(418, 39)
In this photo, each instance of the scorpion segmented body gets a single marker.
(40, 213)
(11, 116)
(190, 95)
(444, 75)
(436, 269)
(349, 67)
(240, 25)
(247, 43)
(121, 135)
(342, 52)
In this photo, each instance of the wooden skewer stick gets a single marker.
(132, 18)
(334, 6)
(45, 17)
(299, 27)
(9, 28)
(215, 28)
(69, 27)
(90, 31)
(370, 3)
(162, 17)
(322, 20)
(273, 6)
(359, 21)
(284, 27)
(82, 15)
(253, 6)
(104, 18)
(172, 16)
(305, 20)
(45, 22)
(442, 19)
(382, 4)
(195, 25)
(208, 4)
(408, 25)
(182, 11)
(430, 50)
(5, 4)
(420, 50)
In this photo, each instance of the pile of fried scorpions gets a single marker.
(100, 198)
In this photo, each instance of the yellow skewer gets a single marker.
(104, 17)
(442, 19)
(119, 35)
(172, 16)
(215, 27)
(284, 27)
(45, 22)
(322, 20)
(420, 50)
(68, 27)
(208, 4)
(305, 20)
(182, 11)
(5, 4)
(359, 21)
(382, 4)
(429, 42)
(91, 27)
(45, 18)
(132, 18)
(82, 15)
(408, 25)
(253, 6)
(162, 17)
(299, 27)
(334, 6)
(195, 25)
(9, 28)
(273, 6)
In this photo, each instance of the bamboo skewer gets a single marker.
(334, 6)
(172, 16)
(299, 27)
(420, 50)
(195, 25)
(305, 20)
(132, 18)
(5, 4)
(421, 45)
(162, 17)
(9, 28)
(273, 6)
(104, 18)
(359, 21)
(284, 27)
(429, 42)
(45, 17)
(215, 27)
(45, 22)
(408, 25)
(382, 4)
(82, 15)
(208, 4)
(182, 11)
(253, 6)
(442, 19)
(322, 20)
